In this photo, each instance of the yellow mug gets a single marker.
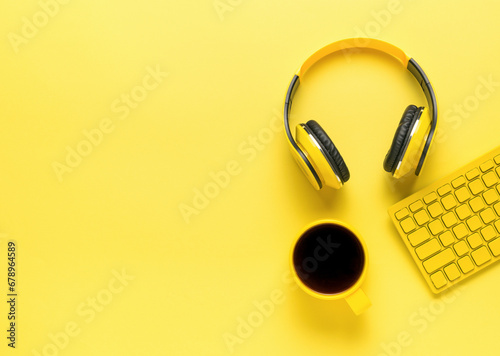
(329, 260)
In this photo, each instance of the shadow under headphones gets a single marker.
(315, 152)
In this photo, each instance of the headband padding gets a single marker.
(331, 152)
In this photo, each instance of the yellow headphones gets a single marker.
(315, 152)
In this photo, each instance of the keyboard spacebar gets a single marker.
(439, 260)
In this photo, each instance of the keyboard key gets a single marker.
(462, 194)
(437, 261)
(475, 240)
(429, 198)
(497, 159)
(477, 204)
(449, 202)
(438, 279)
(458, 182)
(474, 223)
(463, 211)
(487, 215)
(421, 217)
(402, 213)
(498, 171)
(486, 166)
(435, 209)
(466, 264)
(449, 219)
(408, 225)
(452, 272)
(473, 173)
(497, 225)
(496, 207)
(461, 248)
(418, 236)
(490, 196)
(460, 231)
(476, 186)
(427, 249)
(416, 206)
(481, 256)
(436, 227)
(488, 233)
(445, 189)
(447, 238)
(490, 179)
(495, 247)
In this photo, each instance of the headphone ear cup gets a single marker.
(331, 153)
(395, 151)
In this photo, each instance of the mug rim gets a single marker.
(332, 296)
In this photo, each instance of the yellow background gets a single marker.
(195, 279)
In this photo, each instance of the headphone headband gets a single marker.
(378, 45)
(352, 43)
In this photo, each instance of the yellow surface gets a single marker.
(199, 280)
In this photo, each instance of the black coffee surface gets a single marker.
(329, 259)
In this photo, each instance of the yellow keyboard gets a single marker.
(452, 227)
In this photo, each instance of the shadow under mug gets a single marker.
(329, 260)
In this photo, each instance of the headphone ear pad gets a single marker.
(399, 139)
(332, 154)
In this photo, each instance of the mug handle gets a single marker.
(358, 301)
